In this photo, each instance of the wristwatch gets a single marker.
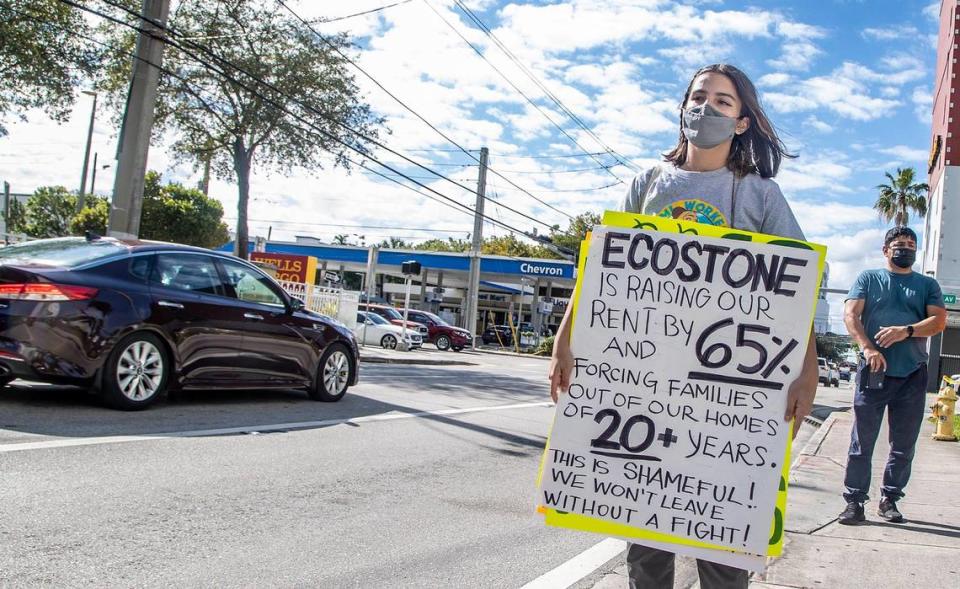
(909, 331)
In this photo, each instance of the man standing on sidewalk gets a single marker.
(889, 312)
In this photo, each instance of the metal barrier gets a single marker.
(333, 302)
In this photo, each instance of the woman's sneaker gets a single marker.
(888, 511)
(853, 514)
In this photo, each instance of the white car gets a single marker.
(375, 330)
(829, 375)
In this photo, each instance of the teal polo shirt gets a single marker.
(892, 299)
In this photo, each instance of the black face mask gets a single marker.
(903, 257)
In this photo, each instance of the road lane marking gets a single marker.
(579, 566)
(72, 442)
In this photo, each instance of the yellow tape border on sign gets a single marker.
(635, 221)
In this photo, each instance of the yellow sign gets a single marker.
(290, 267)
(751, 318)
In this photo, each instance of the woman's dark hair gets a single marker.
(758, 149)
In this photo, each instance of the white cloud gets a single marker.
(796, 56)
(890, 33)
(846, 91)
(817, 124)
(922, 99)
(932, 11)
(821, 174)
(905, 154)
(774, 79)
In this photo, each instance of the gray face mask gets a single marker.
(706, 127)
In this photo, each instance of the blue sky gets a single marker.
(848, 83)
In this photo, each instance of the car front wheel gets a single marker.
(334, 374)
(389, 342)
(443, 343)
(136, 372)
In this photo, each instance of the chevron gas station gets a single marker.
(529, 290)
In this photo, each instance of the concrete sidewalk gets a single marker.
(922, 551)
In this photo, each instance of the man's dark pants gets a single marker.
(649, 568)
(904, 399)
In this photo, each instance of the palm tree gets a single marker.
(900, 195)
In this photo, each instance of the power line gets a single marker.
(604, 187)
(414, 112)
(486, 30)
(515, 87)
(271, 101)
(339, 18)
(540, 172)
(272, 87)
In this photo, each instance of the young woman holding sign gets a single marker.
(720, 173)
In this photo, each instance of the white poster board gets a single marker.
(685, 346)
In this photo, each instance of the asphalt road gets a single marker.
(423, 476)
(94, 497)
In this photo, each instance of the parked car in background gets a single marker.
(828, 373)
(393, 316)
(440, 333)
(497, 335)
(834, 374)
(845, 372)
(131, 319)
(373, 329)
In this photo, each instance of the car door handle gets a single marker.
(170, 304)
(253, 316)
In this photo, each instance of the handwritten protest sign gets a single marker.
(686, 339)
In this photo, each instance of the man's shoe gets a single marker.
(853, 514)
(888, 511)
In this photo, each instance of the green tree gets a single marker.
(92, 217)
(17, 217)
(171, 212)
(510, 245)
(576, 231)
(180, 214)
(395, 243)
(235, 128)
(900, 195)
(40, 63)
(444, 245)
(48, 212)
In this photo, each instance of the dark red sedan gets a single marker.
(132, 319)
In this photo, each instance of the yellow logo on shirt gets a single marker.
(694, 210)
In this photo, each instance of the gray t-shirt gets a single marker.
(706, 197)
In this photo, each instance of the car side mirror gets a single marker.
(295, 304)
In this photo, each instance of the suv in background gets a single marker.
(828, 373)
(393, 316)
(441, 334)
(498, 334)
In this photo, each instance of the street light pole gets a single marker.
(86, 152)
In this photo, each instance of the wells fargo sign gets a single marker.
(290, 267)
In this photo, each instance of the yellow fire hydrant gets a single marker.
(944, 409)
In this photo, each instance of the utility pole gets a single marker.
(86, 152)
(5, 220)
(473, 290)
(134, 144)
(93, 182)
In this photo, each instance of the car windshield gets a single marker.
(392, 313)
(66, 252)
(435, 318)
(377, 320)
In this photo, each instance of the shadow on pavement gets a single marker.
(72, 412)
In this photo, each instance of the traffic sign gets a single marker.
(331, 276)
(949, 299)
